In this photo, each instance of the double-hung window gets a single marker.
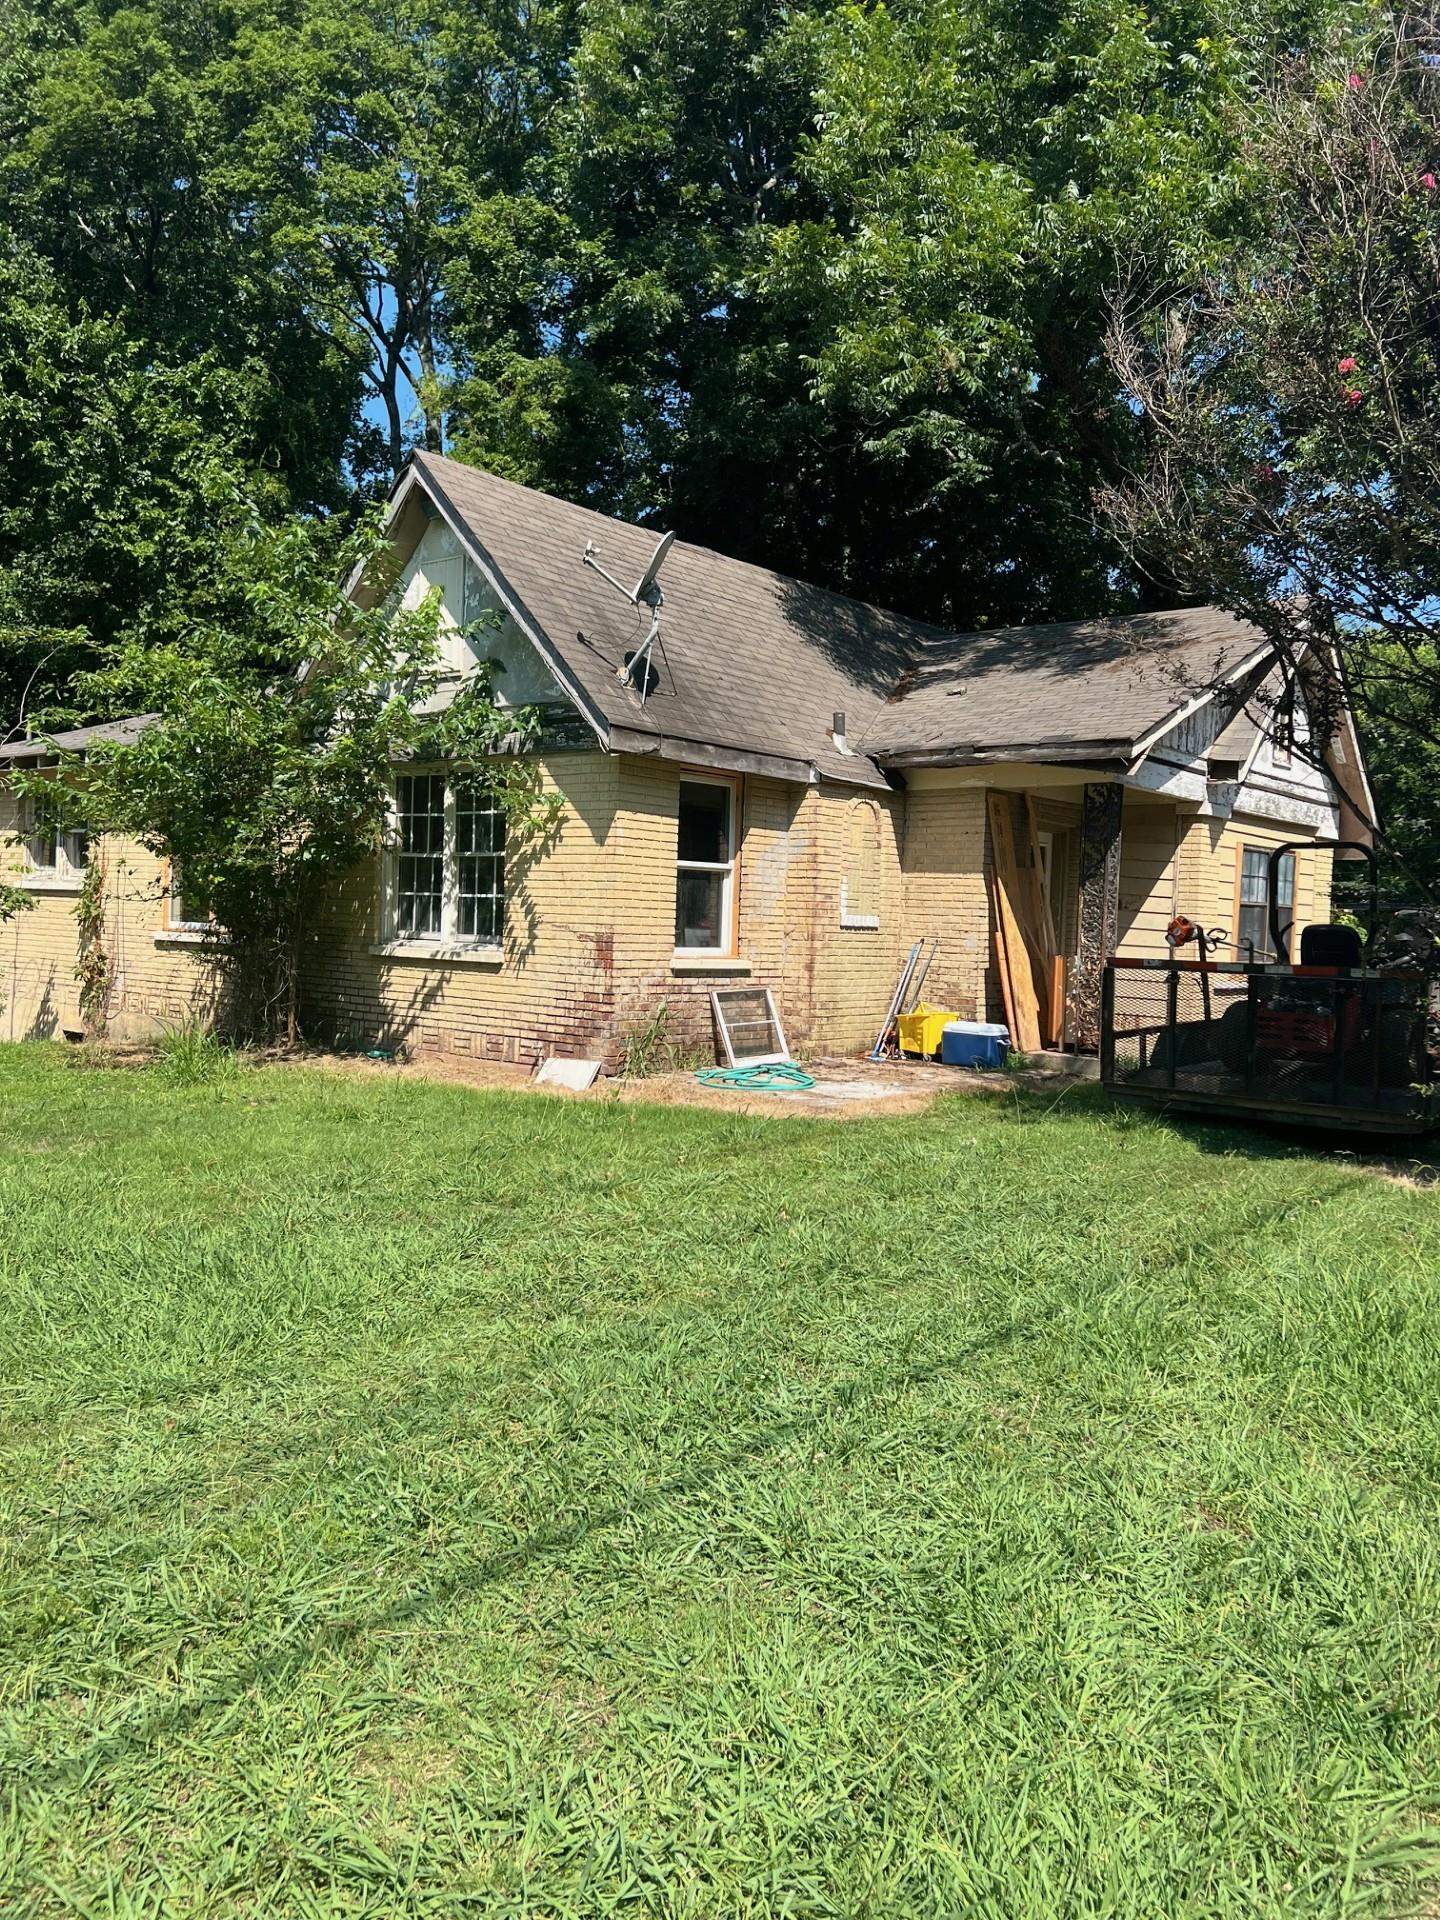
(185, 911)
(705, 867)
(447, 878)
(51, 852)
(1253, 934)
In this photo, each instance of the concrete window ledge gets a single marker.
(860, 922)
(189, 937)
(699, 961)
(47, 882)
(440, 953)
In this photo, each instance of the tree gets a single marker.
(281, 707)
(1290, 400)
(119, 168)
(374, 139)
(113, 470)
(826, 285)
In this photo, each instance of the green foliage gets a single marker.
(192, 1056)
(1289, 403)
(650, 1048)
(828, 287)
(92, 964)
(421, 1499)
(14, 900)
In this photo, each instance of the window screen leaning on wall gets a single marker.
(1253, 934)
(705, 866)
(449, 872)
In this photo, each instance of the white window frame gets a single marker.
(68, 851)
(447, 940)
(726, 868)
(175, 896)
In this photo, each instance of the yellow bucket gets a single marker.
(920, 1031)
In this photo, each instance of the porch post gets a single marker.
(1099, 907)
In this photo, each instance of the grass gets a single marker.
(417, 1502)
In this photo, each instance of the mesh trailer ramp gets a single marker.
(1340, 1047)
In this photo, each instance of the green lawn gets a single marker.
(421, 1502)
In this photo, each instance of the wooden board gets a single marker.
(1014, 960)
(1002, 962)
(1014, 952)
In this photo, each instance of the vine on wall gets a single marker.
(92, 965)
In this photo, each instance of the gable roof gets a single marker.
(753, 665)
(120, 732)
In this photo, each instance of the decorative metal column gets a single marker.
(1099, 908)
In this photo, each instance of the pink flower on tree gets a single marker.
(1427, 181)
(1347, 365)
(1354, 83)
(1353, 396)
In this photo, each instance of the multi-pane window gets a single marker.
(705, 866)
(420, 853)
(1253, 935)
(479, 862)
(49, 850)
(448, 875)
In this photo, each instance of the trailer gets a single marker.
(1329, 1042)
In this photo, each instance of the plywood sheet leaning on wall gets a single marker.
(1014, 902)
(1024, 941)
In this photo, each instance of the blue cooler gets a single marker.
(974, 1043)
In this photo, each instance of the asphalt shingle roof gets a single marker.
(756, 662)
(79, 738)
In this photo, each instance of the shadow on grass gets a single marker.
(545, 1544)
(1415, 1157)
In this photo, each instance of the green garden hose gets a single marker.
(782, 1077)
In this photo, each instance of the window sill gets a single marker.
(188, 937)
(700, 960)
(33, 882)
(861, 922)
(445, 953)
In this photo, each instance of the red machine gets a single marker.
(1339, 1037)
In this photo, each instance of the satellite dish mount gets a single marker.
(635, 670)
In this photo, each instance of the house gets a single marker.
(793, 789)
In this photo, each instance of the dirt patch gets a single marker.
(843, 1090)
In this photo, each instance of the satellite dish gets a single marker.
(636, 669)
(647, 587)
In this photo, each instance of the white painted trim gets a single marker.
(859, 922)
(46, 880)
(727, 869)
(706, 960)
(510, 600)
(1164, 776)
(190, 935)
(1143, 745)
(444, 953)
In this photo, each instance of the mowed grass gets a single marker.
(424, 1502)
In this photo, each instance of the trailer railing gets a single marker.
(1340, 1043)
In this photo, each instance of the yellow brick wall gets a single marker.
(154, 983)
(945, 854)
(591, 932)
(589, 950)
